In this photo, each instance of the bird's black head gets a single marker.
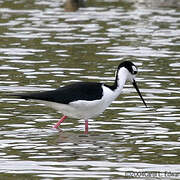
(132, 68)
(122, 75)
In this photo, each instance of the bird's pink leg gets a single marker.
(59, 122)
(86, 127)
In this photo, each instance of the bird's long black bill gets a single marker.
(137, 89)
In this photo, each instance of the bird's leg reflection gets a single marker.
(86, 127)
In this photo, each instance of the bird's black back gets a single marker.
(77, 91)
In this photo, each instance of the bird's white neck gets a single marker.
(121, 77)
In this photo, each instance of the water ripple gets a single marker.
(43, 47)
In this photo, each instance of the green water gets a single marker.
(42, 47)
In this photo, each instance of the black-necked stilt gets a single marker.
(84, 100)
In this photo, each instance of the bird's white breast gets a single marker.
(93, 108)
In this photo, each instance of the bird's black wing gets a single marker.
(77, 91)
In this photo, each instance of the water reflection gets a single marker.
(160, 4)
(42, 47)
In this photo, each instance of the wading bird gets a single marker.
(85, 100)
